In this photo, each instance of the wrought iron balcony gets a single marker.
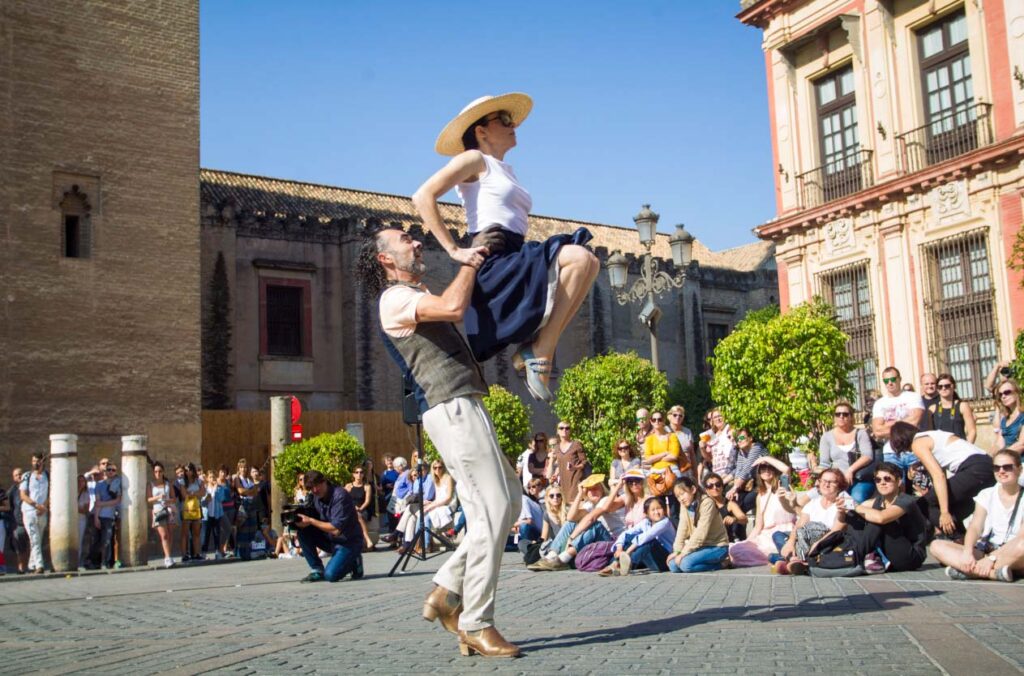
(835, 179)
(955, 133)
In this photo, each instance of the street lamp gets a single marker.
(653, 282)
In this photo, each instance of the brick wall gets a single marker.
(103, 95)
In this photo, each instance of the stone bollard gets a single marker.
(134, 507)
(280, 435)
(64, 502)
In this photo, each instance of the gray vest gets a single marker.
(439, 362)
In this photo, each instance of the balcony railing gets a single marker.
(946, 137)
(835, 179)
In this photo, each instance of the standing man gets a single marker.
(35, 504)
(108, 497)
(643, 426)
(929, 396)
(420, 334)
(893, 406)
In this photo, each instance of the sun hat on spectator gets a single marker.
(633, 473)
(592, 480)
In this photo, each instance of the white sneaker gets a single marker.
(168, 563)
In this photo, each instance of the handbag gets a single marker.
(660, 482)
(864, 473)
(192, 511)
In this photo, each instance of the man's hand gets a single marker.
(946, 523)
(303, 521)
(41, 509)
(471, 256)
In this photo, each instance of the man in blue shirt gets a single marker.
(108, 497)
(334, 529)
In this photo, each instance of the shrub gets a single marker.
(332, 454)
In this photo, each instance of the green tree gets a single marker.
(1018, 360)
(599, 397)
(779, 375)
(511, 424)
(695, 397)
(333, 454)
(216, 339)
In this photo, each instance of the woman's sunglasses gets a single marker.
(713, 484)
(1008, 468)
(505, 118)
(882, 479)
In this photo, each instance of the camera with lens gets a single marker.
(290, 513)
(1006, 372)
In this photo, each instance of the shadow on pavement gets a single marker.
(844, 605)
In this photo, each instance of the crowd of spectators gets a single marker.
(873, 498)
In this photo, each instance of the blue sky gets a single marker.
(661, 101)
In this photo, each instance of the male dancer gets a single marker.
(419, 332)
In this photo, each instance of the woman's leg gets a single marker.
(651, 555)
(861, 491)
(577, 270)
(703, 560)
(195, 538)
(951, 554)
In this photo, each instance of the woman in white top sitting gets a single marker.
(993, 548)
(526, 292)
(958, 468)
(819, 518)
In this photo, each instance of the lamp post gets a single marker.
(653, 282)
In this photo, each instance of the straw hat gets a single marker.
(450, 140)
(592, 480)
(633, 473)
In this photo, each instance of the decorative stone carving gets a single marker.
(839, 235)
(949, 203)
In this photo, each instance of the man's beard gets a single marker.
(413, 266)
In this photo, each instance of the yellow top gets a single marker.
(654, 445)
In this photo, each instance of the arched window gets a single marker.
(76, 225)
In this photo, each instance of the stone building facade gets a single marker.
(896, 131)
(99, 225)
(301, 326)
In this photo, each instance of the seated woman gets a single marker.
(993, 548)
(772, 523)
(593, 517)
(958, 468)
(646, 544)
(625, 459)
(634, 491)
(848, 449)
(819, 518)
(890, 525)
(701, 543)
(733, 516)
(554, 513)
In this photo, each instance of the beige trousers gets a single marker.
(491, 498)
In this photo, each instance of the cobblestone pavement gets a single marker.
(255, 618)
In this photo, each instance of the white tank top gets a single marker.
(496, 198)
(950, 454)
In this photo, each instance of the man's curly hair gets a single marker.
(369, 272)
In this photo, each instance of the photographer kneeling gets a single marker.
(329, 522)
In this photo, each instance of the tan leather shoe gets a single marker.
(445, 605)
(487, 642)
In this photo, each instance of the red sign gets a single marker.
(296, 410)
(296, 432)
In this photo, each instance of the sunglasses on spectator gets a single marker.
(641, 418)
(625, 448)
(713, 484)
(632, 479)
(676, 415)
(842, 414)
(657, 418)
(741, 437)
(1008, 468)
(1005, 393)
(883, 479)
(887, 381)
(554, 496)
(563, 427)
(945, 386)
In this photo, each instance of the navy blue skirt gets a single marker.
(511, 292)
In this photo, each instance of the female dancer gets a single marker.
(525, 292)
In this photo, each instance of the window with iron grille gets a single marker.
(284, 320)
(948, 89)
(847, 290)
(960, 310)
